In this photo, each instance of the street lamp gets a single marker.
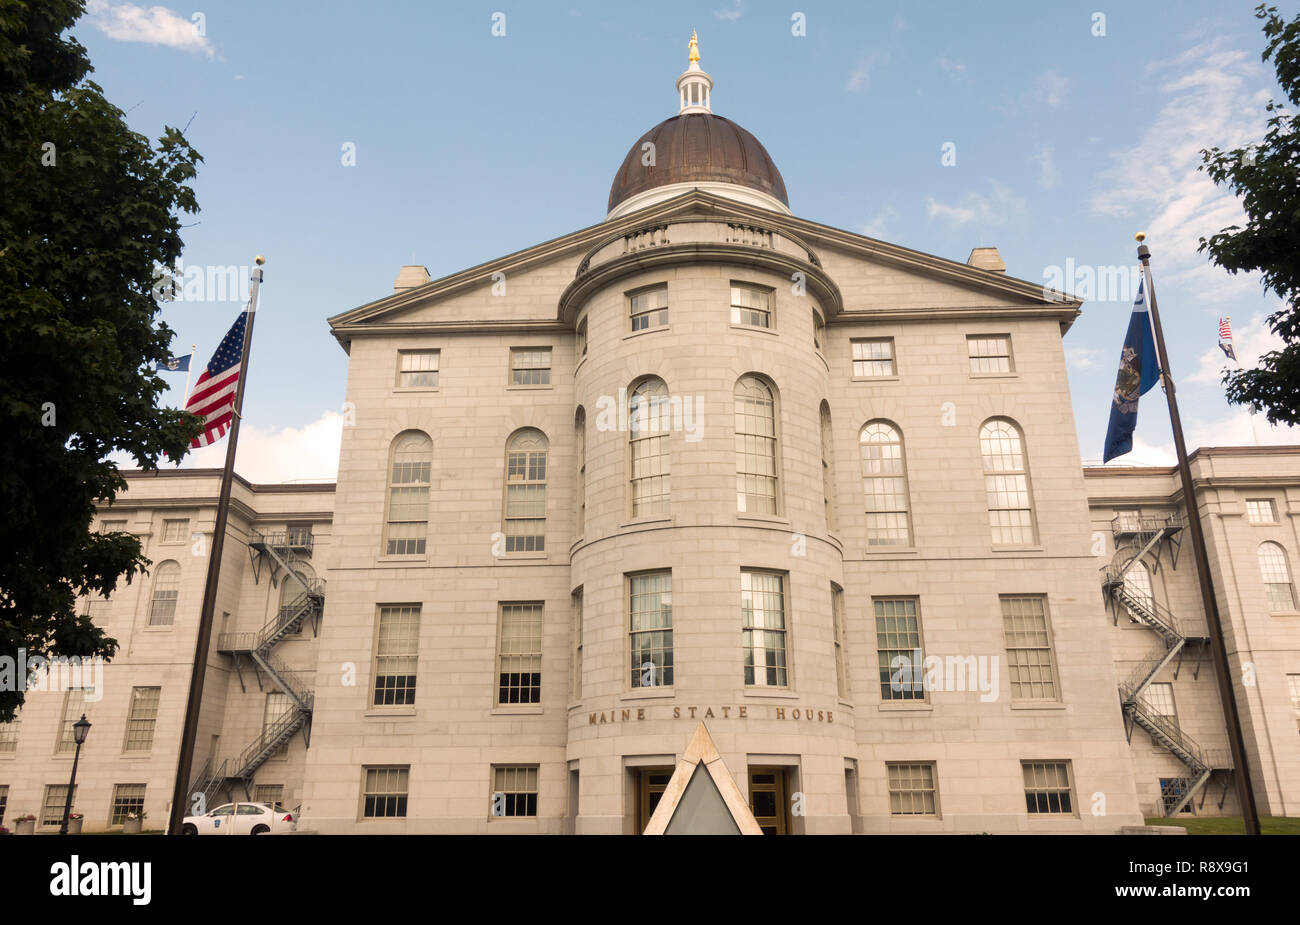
(80, 729)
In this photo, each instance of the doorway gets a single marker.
(768, 801)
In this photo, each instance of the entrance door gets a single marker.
(767, 799)
(650, 789)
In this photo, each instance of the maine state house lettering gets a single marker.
(635, 714)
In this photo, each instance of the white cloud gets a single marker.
(860, 78)
(1084, 357)
(875, 227)
(1202, 98)
(732, 14)
(1048, 176)
(1236, 429)
(998, 207)
(272, 456)
(1051, 89)
(156, 25)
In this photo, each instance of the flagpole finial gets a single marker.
(1140, 236)
(259, 260)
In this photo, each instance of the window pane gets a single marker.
(519, 654)
(397, 655)
(899, 659)
(884, 481)
(651, 598)
(142, 718)
(989, 353)
(751, 305)
(873, 357)
(385, 792)
(756, 468)
(649, 423)
(762, 608)
(1006, 484)
(1029, 652)
(419, 369)
(166, 588)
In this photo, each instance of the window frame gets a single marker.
(777, 479)
(657, 446)
(843, 687)
(1057, 697)
(737, 311)
(633, 315)
(401, 386)
(971, 339)
(919, 692)
(404, 693)
(401, 797)
(575, 644)
(534, 689)
(544, 350)
(157, 618)
(166, 537)
(914, 793)
(135, 724)
(538, 539)
(1272, 512)
(882, 478)
(1070, 783)
(748, 649)
(390, 545)
(1024, 472)
(632, 674)
(1270, 587)
(121, 804)
(532, 774)
(854, 360)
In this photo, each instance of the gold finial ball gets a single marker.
(1140, 236)
(259, 260)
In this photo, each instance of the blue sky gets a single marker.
(469, 146)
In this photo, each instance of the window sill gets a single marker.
(874, 379)
(517, 709)
(658, 520)
(995, 375)
(529, 388)
(158, 629)
(1284, 613)
(753, 329)
(764, 518)
(403, 560)
(1012, 549)
(784, 693)
(391, 713)
(663, 692)
(135, 756)
(891, 551)
(403, 389)
(1038, 706)
(922, 706)
(522, 557)
(655, 330)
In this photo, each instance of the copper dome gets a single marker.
(693, 147)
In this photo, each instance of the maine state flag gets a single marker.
(1138, 372)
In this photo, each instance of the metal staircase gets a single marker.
(280, 551)
(1135, 538)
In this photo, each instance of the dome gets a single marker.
(694, 147)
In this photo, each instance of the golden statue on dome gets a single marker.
(695, 47)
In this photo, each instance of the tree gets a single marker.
(1265, 176)
(88, 209)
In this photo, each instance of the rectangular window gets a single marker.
(279, 710)
(1047, 788)
(650, 599)
(751, 305)
(989, 353)
(112, 526)
(898, 649)
(56, 797)
(1293, 684)
(298, 534)
(575, 634)
(384, 792)
(873, 358)
(1261, 511)
(649, 308)
(418, 369)
(912, 791)
(762, 615)
(519, 654)
(514, 790)
(175, 531)
(526, 501)
(4, 800)
(127, 798)
(530, 365)
(582, 338)
(819, 331)
(75, 703)
(396, 655)
(837, 627)
(272, 794)
(9, 734)
(141, 719)
(1029, 648)
(1160, 698)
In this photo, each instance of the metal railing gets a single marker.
(1128, 524)
(285, 539)
(268, 743)
(1147, 669)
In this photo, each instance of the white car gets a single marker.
(242, 819)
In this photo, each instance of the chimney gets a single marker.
(986, 258)
(409, 277)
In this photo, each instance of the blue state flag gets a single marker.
(176, 364)
(1138, 371)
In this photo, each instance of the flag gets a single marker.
(1138, 371)
(176, 364)
(213, 398)
(1225, 339)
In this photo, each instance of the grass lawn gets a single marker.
(1230, 825)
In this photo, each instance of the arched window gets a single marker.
(884, 482)
(828, 469)
(756, 450)
(1006, 483)
(648, 425)
(408, 494)
(525, 505)
(166, 587)
(1277, 578)
(1137, 582)
(580, 432)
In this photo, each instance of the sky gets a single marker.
(343, 140)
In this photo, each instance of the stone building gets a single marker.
(704, 464)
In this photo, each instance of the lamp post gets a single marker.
(80, 729)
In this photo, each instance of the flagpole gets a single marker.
(185, 396)
(1227, 697)
(1250, 410)
(189, 735)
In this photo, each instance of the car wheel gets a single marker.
(189, 830)
(260, 830)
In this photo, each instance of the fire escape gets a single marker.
(1136, 537)
(277, 552)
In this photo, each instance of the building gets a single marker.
(704, 479)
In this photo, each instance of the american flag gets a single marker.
(213, 398)
(1225, 329)
(1225, 339)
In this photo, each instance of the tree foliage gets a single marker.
(1266, 177)
(88, 209)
